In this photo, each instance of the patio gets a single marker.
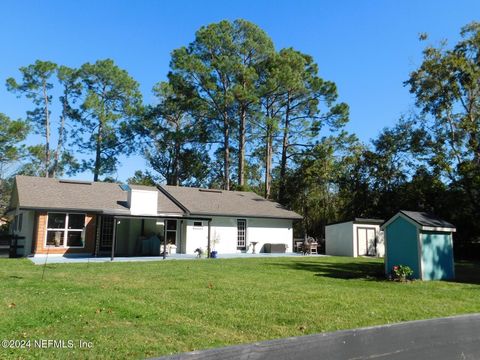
(41, 259)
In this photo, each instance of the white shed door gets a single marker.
(366, 241)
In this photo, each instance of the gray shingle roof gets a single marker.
(426, 219)
(231, 203)
(47, 193)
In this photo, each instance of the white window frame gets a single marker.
(65, 231)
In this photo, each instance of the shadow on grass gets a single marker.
(467, 272)
(366, 270)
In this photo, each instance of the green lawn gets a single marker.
(137, 310)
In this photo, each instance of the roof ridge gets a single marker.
(164, 191)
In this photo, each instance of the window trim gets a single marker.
(65, 231)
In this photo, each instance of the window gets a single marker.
(106, 234)
(20, 222)
(171, 231)
(241, 234)
(66, 230)
(197, 224)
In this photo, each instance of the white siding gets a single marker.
(143, 202)
(339, 239)
(194, 237)
(223, 234)
(275, 231)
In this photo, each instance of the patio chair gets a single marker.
(313, 248)
(299, 246)
(310, 247)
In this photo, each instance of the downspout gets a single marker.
(208, 246)
(114, 240)
(164, 239)
(97, 235)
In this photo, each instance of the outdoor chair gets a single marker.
(299, 246)
(310, 248)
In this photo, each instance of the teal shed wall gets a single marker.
(437, 255)
(402, 245)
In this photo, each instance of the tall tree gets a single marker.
(270, 99)
(12, 133)
(110, 101)
(175, 148)
(220, 65)
(254, 48)
(447, 87)
(206, 65)
(71, 90)
(308, 104)
(36, 85)
(313, 185)
(39, 83)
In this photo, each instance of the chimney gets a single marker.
(143, 202)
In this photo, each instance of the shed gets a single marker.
(423, 242)
(357, 237)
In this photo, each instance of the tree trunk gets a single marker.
(283, 162)
(98, 159)
(61, 130)
(268, 161)
(47, 131)
(241, 147)
(176, 155)
(226, 159)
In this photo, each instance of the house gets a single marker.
(423, 242)
(358, 237)
(67, 217)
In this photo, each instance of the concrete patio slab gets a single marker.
(52, 259)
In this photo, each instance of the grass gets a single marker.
(138, 310)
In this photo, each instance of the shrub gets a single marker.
(402, 273)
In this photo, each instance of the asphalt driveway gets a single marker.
(449, 338)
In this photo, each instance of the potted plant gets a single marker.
(215, 241)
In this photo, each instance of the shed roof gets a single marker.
(425, 221)
(199, 201)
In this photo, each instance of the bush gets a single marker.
(401, 273)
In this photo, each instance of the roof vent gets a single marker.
(211, 191)
(78, 182)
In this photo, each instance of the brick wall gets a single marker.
(41, 230)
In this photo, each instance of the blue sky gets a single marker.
(367, 47)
